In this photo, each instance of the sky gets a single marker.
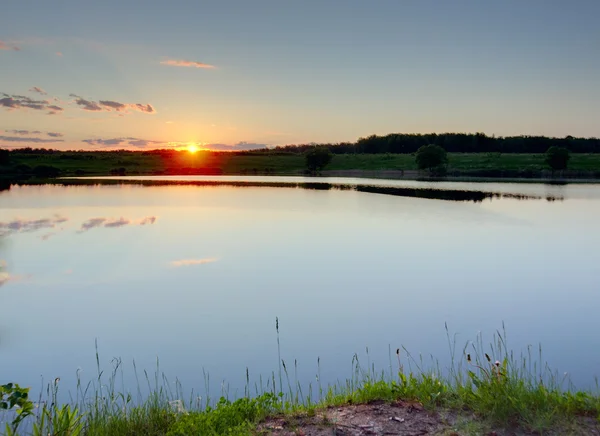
(241, 74)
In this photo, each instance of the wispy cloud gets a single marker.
(35, 132)
(235, 147)
(25, 225)
(38, 90)
(190, 262)
(186, 63)
(115, 222)
(6, 277)
(47, 236)
(122, 142)
(29, 139)
(15, 102)
(91, 223)
(111, 105)
(7, 46)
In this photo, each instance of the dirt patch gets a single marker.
(365, 419)
(400, 418)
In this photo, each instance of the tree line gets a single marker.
(393, 143)
(453, 143)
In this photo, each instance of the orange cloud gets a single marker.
(5, 46)
(189, 262)
(186, 63)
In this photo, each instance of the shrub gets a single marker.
(46, 171)
(557, 158)
(431, 157)
(317, 158)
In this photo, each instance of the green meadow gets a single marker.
(183, 162)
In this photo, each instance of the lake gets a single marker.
(196, 273)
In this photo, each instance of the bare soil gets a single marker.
(399, 418)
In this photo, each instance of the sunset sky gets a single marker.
(239, 74)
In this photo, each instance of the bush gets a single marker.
(431, 157)
(46, 171)
(557, 158)
(317, 158)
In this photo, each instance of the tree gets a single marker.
(431, 157)
(317, 158)
(4, 157)
(557, 158)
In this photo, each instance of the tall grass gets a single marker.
(486, 381)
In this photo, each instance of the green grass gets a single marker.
(102, 163)
(486, 386)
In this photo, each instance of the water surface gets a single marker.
(195, 275)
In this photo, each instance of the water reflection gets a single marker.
(426, 191)
(114, 222)
(25, 225)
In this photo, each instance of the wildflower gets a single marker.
(497, 363)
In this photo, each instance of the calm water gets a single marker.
(195, 275)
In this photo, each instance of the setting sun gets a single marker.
(192, 148)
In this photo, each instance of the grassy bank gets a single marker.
(486, 388)
(146, 163)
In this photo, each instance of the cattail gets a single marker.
(488, 357)
(397, 351)
(469, 358)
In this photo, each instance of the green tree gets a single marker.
(431, 157)
(557, 158)
(317, 158)
(4, 157)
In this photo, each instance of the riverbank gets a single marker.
(460, 165)
(483, 392)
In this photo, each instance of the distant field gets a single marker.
(223, 163)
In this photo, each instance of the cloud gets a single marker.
(24, 132)
(35, 132)
(91, 223)
(117, 223)
(26, 139)
(12, 102)
(54, 109)
(6, 46)
(110, 105)
(240, 146)
(190, 262)
(114, 223)
(147, 108)
(123, 142)
(86, 105)
(147, 220)
(119, 107)
(6, 277)
(186, 63)
(25, 225)
(38, 90)
(47, 236)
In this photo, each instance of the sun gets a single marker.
(192, 148)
